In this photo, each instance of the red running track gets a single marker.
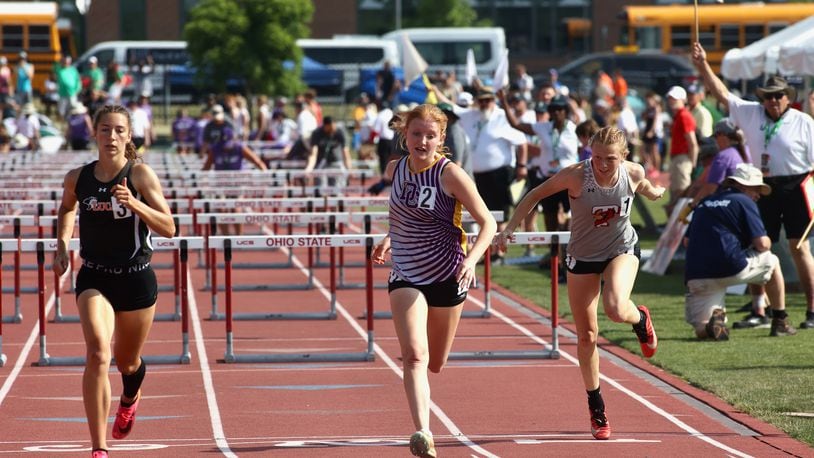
(483, 408)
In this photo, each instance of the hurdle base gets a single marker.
(13, 318)
(304, 357)
(66, 319)
(467, 314)
(23, 290)
(359, 286)
(504, 355)
(80, 360)
(259, 265)
(275, 316)
(259, 287)
(167, 317)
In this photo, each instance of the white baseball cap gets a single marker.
(677, 92)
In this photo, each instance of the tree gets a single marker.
(443, 13)
(248, 40)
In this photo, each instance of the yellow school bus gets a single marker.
(31, 27)
(671, 28)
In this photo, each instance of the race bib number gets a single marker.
(119, 210)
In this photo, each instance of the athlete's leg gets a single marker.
(409, 309)
(96, 317)
(441, 326)
(583, 295)
(132, 328)
(619, 276)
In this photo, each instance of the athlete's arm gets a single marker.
(153, 210)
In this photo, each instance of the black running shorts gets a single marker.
(441, 294)
(126, 291)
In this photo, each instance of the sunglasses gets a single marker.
(774, 96)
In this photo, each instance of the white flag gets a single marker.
(471, 69)
(414, 65)
(501, 78)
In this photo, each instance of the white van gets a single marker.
(445, 48)
(351, 54)
(129, 53)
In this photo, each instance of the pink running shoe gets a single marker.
(99, 453)
(600, 428)
(646, 334)
(125, 417)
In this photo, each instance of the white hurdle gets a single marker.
(228, 244)
(41, 246)
(554, 239)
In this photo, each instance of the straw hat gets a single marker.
(748, 175)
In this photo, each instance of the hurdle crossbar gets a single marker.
(553, 239)
(41, 246)
(226, 244)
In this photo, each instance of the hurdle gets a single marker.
(182, 245)
(60, 317)
(17, 221)
(553, 239)
(275, 242)
(227, 244)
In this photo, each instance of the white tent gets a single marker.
(762, 56)
(796, 56)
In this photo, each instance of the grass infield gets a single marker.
(769, 378)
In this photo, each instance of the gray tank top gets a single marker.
(600, 219)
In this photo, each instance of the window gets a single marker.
(161, 56)
(453, 52)
(346, 55)
(753, 33)
(648, 37)
(681, 36)
(12, 37)
(730, 36)
(39, 38)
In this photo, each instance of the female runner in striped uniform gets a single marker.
(603, 246)
(432, 267)
(120, 203)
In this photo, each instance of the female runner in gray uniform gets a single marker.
(120, 202)
(432, 268)
(603, 246)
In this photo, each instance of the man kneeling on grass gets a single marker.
(727, 245)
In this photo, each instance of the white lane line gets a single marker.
(668, 416)
(448, 423)
(29, 344)
(206, 373)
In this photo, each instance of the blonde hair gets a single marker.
(425, 112)
(130, 151)
(612, 138)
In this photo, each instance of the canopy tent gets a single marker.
(796, 56)
(762, 56)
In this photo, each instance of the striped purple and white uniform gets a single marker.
(427, 240)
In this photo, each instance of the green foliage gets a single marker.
(442, 13)
(249, 39)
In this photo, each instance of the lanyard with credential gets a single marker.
(770, 132)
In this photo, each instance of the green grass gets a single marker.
(762, 376)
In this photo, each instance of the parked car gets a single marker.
(643, 71)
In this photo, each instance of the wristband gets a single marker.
(521, 165)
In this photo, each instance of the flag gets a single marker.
(471, 69)
(412, 62)
(501, 78)
(431, 97)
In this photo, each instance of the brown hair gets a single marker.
(611, 137)
(426, 112)
(587, 128)
(130, 151)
